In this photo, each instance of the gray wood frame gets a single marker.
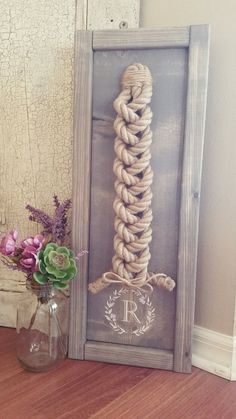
(196, 40)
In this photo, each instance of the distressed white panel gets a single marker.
(113, 14)
(36, 108)
(81, 14)
(8, 302)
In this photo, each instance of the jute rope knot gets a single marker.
(146, 285)
(136, 75)
(132, 204)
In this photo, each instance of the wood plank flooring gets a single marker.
(82, 389)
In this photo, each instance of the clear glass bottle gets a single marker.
(42, 327)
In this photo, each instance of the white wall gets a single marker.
(216, 278)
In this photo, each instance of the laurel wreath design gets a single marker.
(109, 315)
(112, 319)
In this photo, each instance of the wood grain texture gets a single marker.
(190, 193)
(141, 38)
(196, 78)
(81, 188)
(168, 106)
(167, 395)
(82, 390)
(129, 355)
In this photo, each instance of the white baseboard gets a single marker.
(214, 352)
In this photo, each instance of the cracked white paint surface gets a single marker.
(36, 84)
(36, 109)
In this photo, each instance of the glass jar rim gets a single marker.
(38, 287)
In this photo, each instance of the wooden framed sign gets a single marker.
(140, 102)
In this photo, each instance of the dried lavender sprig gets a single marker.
(55, 226)
(40, 217)
(13, 266)
(56, 201)
(60, 221)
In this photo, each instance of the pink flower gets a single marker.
(8, 243)
(36, 241)
(31, 247)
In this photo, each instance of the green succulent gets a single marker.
(56, 264)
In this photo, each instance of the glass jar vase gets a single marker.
(42, 327)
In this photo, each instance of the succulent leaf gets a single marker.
(57, 264)
(40, 278)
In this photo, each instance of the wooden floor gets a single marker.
(82, 389)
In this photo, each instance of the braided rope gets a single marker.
(132, 205)
(133, 174)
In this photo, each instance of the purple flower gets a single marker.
(30, 247)
(8, 243)
(52, 226)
